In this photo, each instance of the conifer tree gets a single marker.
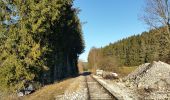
(42, 42)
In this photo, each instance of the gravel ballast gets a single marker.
(80, 93)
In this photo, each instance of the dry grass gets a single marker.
(124, 71)
(74, 86)
(121, 71)
(49, 92)
(10, 97)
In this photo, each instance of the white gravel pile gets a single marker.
(79, 94)
(139, 71)
(151, 80)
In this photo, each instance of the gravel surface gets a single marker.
(151, 81)
(96, 91)
(139, 71)
(79, 94)
(118, 89)
(148, 81)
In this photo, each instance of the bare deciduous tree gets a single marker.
(157, 14)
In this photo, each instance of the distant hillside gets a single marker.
(82, 66)
(132, 51)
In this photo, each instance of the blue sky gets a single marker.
(109, 21)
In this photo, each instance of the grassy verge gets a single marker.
(121, 71)
(124, 71)
(49, 92)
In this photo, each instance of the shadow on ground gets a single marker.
(85, 73)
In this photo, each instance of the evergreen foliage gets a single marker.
(132, 51)
(40, 41)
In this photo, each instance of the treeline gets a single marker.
(82, 66)
(132, 51)
(40, 41)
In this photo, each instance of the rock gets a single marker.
(110, 75)
(20, 94)
(99, 72)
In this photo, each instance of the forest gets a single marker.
(132, 51)
(40, 42)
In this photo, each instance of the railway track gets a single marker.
(96, 91)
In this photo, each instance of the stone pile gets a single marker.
(139, 71)
(152, 78)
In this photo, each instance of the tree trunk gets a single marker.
(168, 32)
(68, 65)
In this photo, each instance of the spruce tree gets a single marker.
(43, 40)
